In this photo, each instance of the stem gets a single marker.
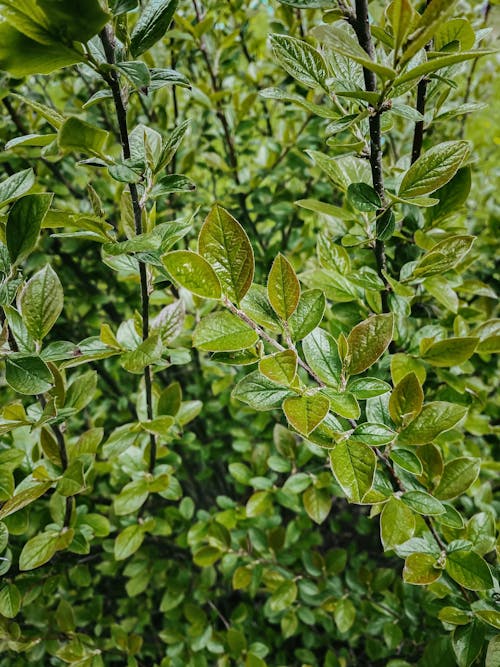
(107, 40)
(361, 26)
(418, 134)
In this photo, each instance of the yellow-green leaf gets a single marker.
(435, 418)
(397, 523)
(280, 367)
(283, 287)
(353, 464)
(368, 341)
(451, 352)
(193, 272)
(304, 413)
(223, 332)
(406, 399)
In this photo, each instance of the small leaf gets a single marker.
(372, 434)
(406, 399)
(450, 352)
(434, 168)
(152, 25)
(467, 643)
(170, 399)
(41, 302)
(420, 569)
(444, 256)
(344, 615)
(367, 387)
(223, 332)
(147, 353)
(435, 418)
(308, 314)
(23, 498)
(363, 197)
(368, 341)
(193, 272)
(469, 570)
(283, 597)
(300, 60)
(458, 475)
(280, 367)
(259, 392)
(16, 186)
(39, 550)
(423, 503)
(28, 374)
(10, 600)
(259, 503)
(304, 413)
(317, 503)
(353, 465)
(397, 523)
(321, 353)
(407, 460)
(24, 223)
(283, 287)
(128, 541)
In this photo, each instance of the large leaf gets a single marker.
(458, 475)
(280, 367)
(78, 135)
(435, 418)
(259, 392)
(223, 332)
(300, 60)
(28, 374)
(128, 541)
(406, 399)
(16, 186)
(321, 353)
(368, 341)
(469, 570)
(152, 25)
(444, 255)
(24, 224)
(433, 169)
(39, 549)
(304, 413)
(353, 465)
(420, 569)
(308, 314)
(423, 503)
(41, 302)
(23, 498)
(397, 523)
(225, 245)
(432, 18)
(193, 272)
(451, 352)
(283, 289)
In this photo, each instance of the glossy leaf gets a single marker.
(458, 475)
(434, 418)
(368, 341)
(259, 392)
(223, 332)
(193, 272)
(300, 60)
(450, 352)
(280, 367)
(353, 464)
(304, 413)
(28, 374)
(152, 25)
(24, 223)
(406, 399)
(308, 314)
(397, 523)
(469, 570)
(321, 353)
(420, 569)
(434, 168)
(283, 289)
(16, 186)
(423, 503)
(41, 302)
(317, 503)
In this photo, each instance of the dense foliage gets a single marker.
(249, 329)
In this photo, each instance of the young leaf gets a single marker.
(300, 60)
(256, 305)
(368, 341)
(401, 15)
(152, 25)
(451, 352)
(443, 256)
(407, 460)
(406, 400)
(283, 287)
(321, 353)
(353, 465)
(308, 314)
(435, 418)
(304, 413)
(170, 399)
(434, 168)
(280, 367)
(259, 392)
(397, 523)
(28, 374)
(193, 272)
(435, 14)
(41, 302)
(458, 475)
(469, 570)
(223, 332)
(147, 353)
(420, 569)
(372, 434)
(225, 245)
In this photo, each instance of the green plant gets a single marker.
(371, 360)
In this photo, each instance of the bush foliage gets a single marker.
(248, 334)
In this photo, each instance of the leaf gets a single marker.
(467, 643)
(225, 245)
(131, 497)
(128, 541)
(341, 42)
(452, 195)
(458, 475)
(72, 481)
(363, 197)
(368, 341)
(152, 25)
(423, 503)
(344, 615)
(490, 616)
(434, 168)
(373, 434)
(283, 289)
(136, 72)
(10, 600)
(435, 13)
(367, 387)
(259, 503)
(260, 393)
(304, 413)
(317, 503)
(401, 16)
(223, 332)
(147, 353)
(434, 64)
(397, 523)
(454, 616)
(256, 305)
(308, 4)
(23, 498)
(469, 570)
(41, 302)
(28, 375)
(353, 465)
(435, 418)
(24, 223)
(321, 353)
(308, 314)
(280, 367)
(39, 550)
(450, 352)
(420, 569)
(77, 20)
(300, 60)
(406, 399)
(193, 272)
(407, 460)
(16, 186)
(170, 399)
(78, 135)
(444, 256)
(283, 597)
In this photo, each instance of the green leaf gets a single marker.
(458, 475)
(397, 523)
(170, 399)
(452, 195)
(321, 353)
(420, 569)
(147, 353)
(39, 549)
(401, 15)
(131, 497)
(363, 197)
(434, 168)
(23, 498)
(259, 503)
(343, 403)
(430, 21)
(444, 256)
(308, 314)
(341, 42)
(260, 393)
(304, 413)
(223, 332)
(451, 518)
(136, 72)
(78, 135)
(152, 25)
(317, 503)
(280, 367)
(434, 64)
(300, 60)
(368, 341)
(490, 616)
(372, 434)
(72, 481)
(423, 503)
(24, 223)
(469, 570)
(256, 305)
(41, 302)
(16, 186)
(10, 600)
(283, 289)
(77, 20)
(407, 460)
(454, 616)
(353, 465)
(193, 272)
(225, 245)
(467, 643)
(28, 374)
(308, 4)
(435, 418)
(81, 391)
(450, 352)
(367, 387)
(128, 541)
(481, 532)
(283, 597)
(344, 615)
(406, 400)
